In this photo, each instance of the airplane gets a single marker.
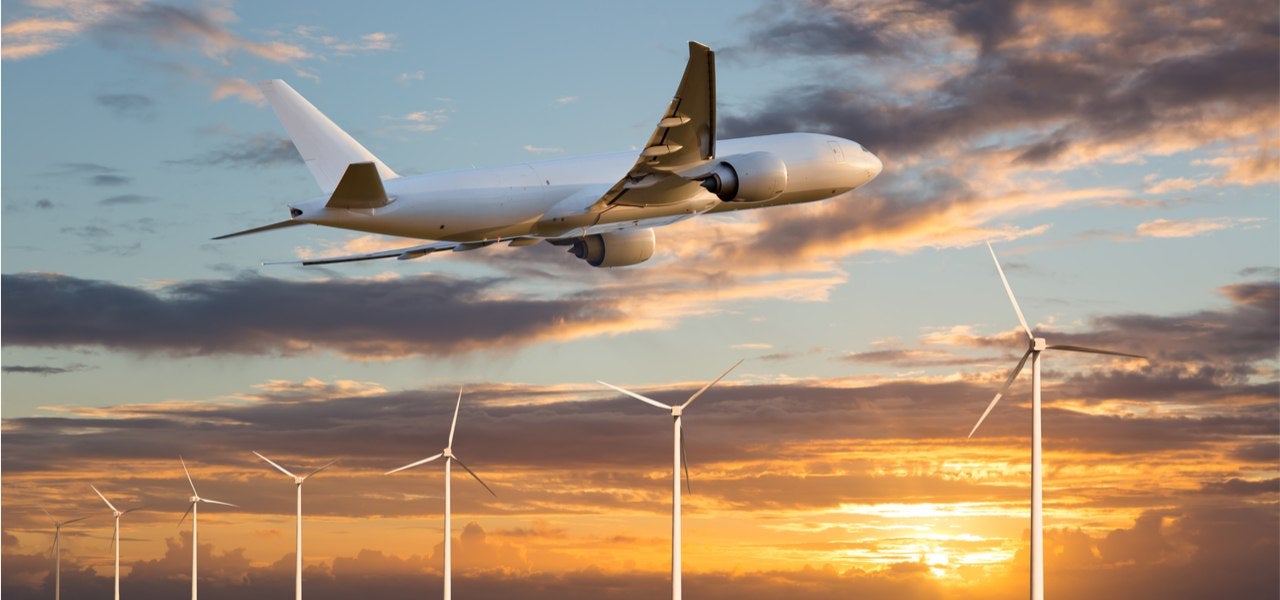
(604, 207)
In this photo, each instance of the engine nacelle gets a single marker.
(615, 249)
(751, 177)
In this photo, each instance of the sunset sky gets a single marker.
(1123, 158)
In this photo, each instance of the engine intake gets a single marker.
(615, 249)
(751, 177)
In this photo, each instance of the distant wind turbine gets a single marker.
(194, 511)
(1037, 345)
(297, 480)
(449, 458)
(677, 458)
(57, 552)
(115, 539)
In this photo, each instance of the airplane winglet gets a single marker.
(360, 187)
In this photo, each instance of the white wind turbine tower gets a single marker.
(194, 511)
(297, 480)
(115, 539)
(57, 552)
(677, 455)
(449, 459)
(1037, 345)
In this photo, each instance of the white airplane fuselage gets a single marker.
(552, 198)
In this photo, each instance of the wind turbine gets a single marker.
(297, 480)
(449, 459)
(677, 456)
(194, 511)
(57, 552)
(115, 539)
(1037, 345)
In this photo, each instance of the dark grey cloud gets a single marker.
(94, 173)
(131, 106)
(42, 369)
(427, 315)
(109, 180)
(126, 199)
(1078, 88)
(1242, 487)
(88, 232)
(263, 150)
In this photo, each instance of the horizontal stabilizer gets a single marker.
(360, 187)
(280, 225)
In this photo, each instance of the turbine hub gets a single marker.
(447, 453)
(677, 411)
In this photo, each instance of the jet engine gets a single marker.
(615, 249)
(751, 177)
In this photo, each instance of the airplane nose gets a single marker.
(865, 164)
(874, 166)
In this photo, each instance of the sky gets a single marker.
(1123, 158)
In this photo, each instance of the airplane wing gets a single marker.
(409, 253)
(684, 137)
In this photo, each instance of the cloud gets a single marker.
(1165, 228)
(43, 369)
(871, 457)
(254, 151)
(205, 28)
(371, 42)
(270, 316)
(94, 173)
(126, 199)
(234, 87)
(531, 149)
(1071, 84)
(132, 106)
(407, 77)
(419, 121)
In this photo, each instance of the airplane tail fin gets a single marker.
(326, 148)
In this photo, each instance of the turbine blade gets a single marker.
(326, 466)
(414, 464)
(220, 502)
(644, 399)
(473, 474)
(1009, 290)
(454, 426)
(1004, 388)
(65, 523)
(132, 509)
(184, 515)
(713, 382)
(184, 470)
(684, 460)
(273, 463)
(104, 498)
(55, 521)
(1092, 351)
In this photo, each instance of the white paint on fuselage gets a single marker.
(550, 198)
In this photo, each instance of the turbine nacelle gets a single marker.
(1038, 344)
